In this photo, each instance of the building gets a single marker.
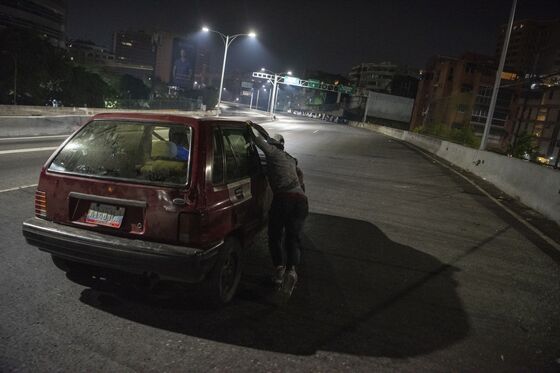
(85, 52)
(538, 114)
(202, 76)
(134, 47)
(46, 17)
(455, 93)
(534, 47)
(134, 53)
(385, 77)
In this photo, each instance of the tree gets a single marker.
(524, 147)
(84, 88)
(132, 88)
(46, 72)
(41, 67)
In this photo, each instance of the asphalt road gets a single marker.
(406, 267)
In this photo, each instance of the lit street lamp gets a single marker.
(14, 57)
(274, 87)
(227, 39)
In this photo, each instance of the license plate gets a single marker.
(107, 215)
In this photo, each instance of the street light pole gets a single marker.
(227, 39)
(497, 82)
(226, 42)
(272, 96)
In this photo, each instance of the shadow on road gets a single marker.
(359, 293)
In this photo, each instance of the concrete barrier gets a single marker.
(17, 126)
(535, 186)
(49, 123)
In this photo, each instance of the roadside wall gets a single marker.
(536, 186)
(22, 121)
(21, 126)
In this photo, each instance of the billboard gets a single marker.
(381, 105)
(184, 59)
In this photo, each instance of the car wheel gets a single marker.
(223, 280)
(76, 272)
(60, 263)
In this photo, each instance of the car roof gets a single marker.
(164, 117)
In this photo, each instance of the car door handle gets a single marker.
(179, 202)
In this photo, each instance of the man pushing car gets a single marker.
(288, 210)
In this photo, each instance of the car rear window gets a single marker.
(134, 151)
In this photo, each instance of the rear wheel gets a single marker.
(77, 272)
(223, 279)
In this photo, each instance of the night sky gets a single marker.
(316, 35)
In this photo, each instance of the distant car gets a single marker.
(169, 196)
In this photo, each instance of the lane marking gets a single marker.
(34, 137)
(18, 188)
(519, 218)
(316, 131)
(27, 150)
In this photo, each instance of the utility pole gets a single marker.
(494, 99)
(273, 99)
(223, 71)
(257, 103)
(365, 109)
(251, 102)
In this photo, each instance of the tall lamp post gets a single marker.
(14, 57)
(498, 80)
(258, 94)
(274, 87)
(227, 39)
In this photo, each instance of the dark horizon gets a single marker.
(314, 35)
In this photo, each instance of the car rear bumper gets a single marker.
(170, 262)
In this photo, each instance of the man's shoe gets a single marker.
(278, 276)
(289, 282)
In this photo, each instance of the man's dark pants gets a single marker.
(287, 214)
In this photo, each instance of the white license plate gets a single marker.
(100, 214)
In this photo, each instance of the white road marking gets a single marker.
(18, 188)
(27, 150)
(34, 137)
(315, 131)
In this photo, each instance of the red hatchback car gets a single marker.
(168, 196)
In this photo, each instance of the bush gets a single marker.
(524, 148)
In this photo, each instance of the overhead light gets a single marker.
(252, 34)
(289, 73)
(205, 29)
(263, 69)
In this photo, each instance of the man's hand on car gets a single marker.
(260, 131)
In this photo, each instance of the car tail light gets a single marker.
(40, 204)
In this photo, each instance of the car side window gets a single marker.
(238, 153)
(218, 159)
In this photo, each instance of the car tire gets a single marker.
(76, 272)
(60, 263)
(223, 280)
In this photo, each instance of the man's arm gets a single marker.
(261, 137)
